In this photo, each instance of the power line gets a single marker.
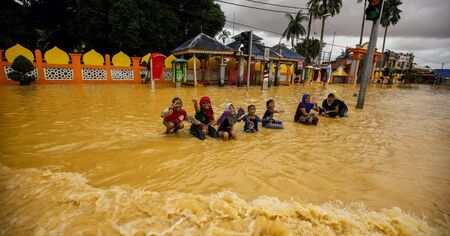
(277, 5)
(256, 8)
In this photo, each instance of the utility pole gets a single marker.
(307, 44)
(367, 72)
(332, 45)
(440, 73)
(249, 62)
(362, 25)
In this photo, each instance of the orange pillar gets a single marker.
(76, 66)
(39, 67)
(2, 69)
(136, 69)
(108, 68)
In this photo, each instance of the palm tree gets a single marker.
(363, 20)
(224, 34)
(391, 16)
(319, 10)
(344, 54)
(295, 28)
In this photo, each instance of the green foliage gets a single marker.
(295, 28)
(344, 54)
(224, 34)
(318, 9)
(391, 13)
(309, 49)
(133, 26)
(22, 70)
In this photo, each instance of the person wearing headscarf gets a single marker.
(303, 113)
(343, 109)
(226, 121)
(205, 114)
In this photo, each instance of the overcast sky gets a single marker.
(423, 28)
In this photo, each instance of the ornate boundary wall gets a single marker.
(58, 67)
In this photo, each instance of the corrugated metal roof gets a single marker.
(257, 49)
(286, 52)
(203, 42)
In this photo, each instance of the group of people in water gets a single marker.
(203, 121)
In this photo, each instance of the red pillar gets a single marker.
(2, 70)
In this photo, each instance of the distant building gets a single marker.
(398, 61)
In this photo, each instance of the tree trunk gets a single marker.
(292, 42)
(384, 39)
(363, 21)
(321, 39)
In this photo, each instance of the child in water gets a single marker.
(175, 115)
(205, 115)
(267, 120)
(227, 120)
(251, 120)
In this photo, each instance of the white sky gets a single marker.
(423, 28)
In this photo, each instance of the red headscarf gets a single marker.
(208, 113)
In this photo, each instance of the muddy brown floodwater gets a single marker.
(93, 159)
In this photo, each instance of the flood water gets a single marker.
(94, 160)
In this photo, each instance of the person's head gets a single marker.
(330, 98)
(270, 104)
(230, 108)
(251, 109)
(306, 98)
(177, 103)
(205, 102)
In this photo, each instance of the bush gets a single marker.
(22, 71)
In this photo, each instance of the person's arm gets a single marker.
(303, 110)
(243, 117)
(278, 111)
(166, 112)
(194, 100)
(316, 107)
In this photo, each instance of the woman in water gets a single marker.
(343, 109)
(227, 120)
(303, 113)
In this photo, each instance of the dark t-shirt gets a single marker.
(267, 117)
(330, 107)
(299, 113)
(250, 123)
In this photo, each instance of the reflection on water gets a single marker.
(393, 154)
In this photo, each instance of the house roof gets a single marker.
(286, 52)
(254, 37)
(257, 49)
(203, 44)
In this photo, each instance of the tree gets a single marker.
(295, 28)
(22, 71)
(16, 29)
(344, 54)
(309, 48)
(363, 20)
(391, 16)
(319, 10)
(108, 26)
(224, 34)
